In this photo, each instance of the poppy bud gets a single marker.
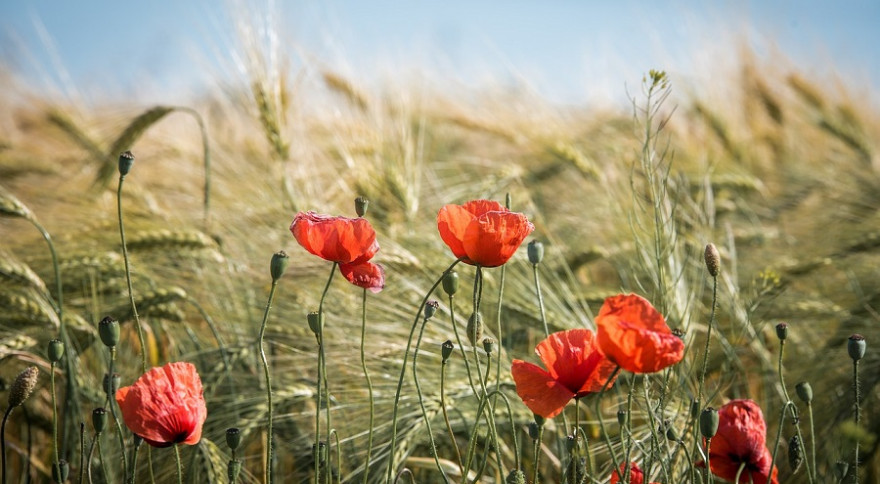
(539, 420)
(361, 205)
(713, 260)
(55, 350)
(507, 200)
(534, 430)
(430, 309)
(678, 332)
(475, 328)
(60, 471)
(671, 434)
(126, 159)
(233, 438)
(450, 283)
(709, 422)
(804, 391)
(535, 250)
(23, 386)
(446, 350)
(488, 345)
(108, 330)
(316, 322)
(279, 264)
(99, 419)
(621, 417)
(695, 408)
(233, 468)
(516, 476)
(782, 331)
(795, 453)
(841, 469)
(111, 384)
(856, 347)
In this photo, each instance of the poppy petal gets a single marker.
(572, 358)
(364, 274)
(634, 335)
(336, 239)
(452, 221)
(492, 238)
(539, 390)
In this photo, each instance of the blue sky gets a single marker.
(567, 51)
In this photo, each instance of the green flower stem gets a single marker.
(395, 406)
(89, 458)
(708, 339)
(322, 373)
(464, 356)
(268, 383)
(111, 403)
(739, 471)
(472, 445)
(858, 397)
(55, 463)
(791, 406)
(540, 300)
(446, 417)
(415, 360)
(812, 440)
(370, 386)
(779, 433)
(583, 434)
(82, 451)
(221, 345)
(137, 320)
(3, 442)
(629, 446)
(179, 467)
(709, 478)
(134, 461)
(537, 454)
(101, 457)
(498, 335)
(605, 435)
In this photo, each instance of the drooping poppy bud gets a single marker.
(475, 328)
(108, 330)
(856, 346)
(55, 350)
(126, 159)
(280, 261)
(804, 391)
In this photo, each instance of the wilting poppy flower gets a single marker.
(636, 476)
(364, 274)
(336, 239)
(741, 439)
(634, 335)
(575, 367)
(165, 405)
(482, 232)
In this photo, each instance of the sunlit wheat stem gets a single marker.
(395, 405)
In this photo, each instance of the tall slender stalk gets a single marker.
(322, 373)
(370, 384)
(3, 441)
(268, 378)
(415, 361)
(134, 312)
(179, 466)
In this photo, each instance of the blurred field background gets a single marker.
(774, 161)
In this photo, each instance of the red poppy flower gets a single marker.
(636, 476)
(634, 335)
(741, 440)
(575, 367)
(482, 232)
(165, 405)
(336, 239)
(364, 274)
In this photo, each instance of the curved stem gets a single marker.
(446, 417)
(540, 300)
(708, 339)
(179, 467)
(3, 442)
(82, 450)
(537, 454)
(740, 470)
(392, 444)
(134, 312)
(55, 463)
(415, 360)
(323, 384)
(268, 383)
(89, 459)
(111, 403)
(605, 435)
(101, 458)
(370, 384)
(467, 365)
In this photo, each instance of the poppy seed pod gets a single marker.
(233, 468)
(804, 391)
(450, 283)
(856, 347)
(63, 468)
(709, 422)
(99, 419)
(126, 159)
(108, 330)
(488, 345)
(430, 309)
(446, 350)
(233, 438)
(516, 476)
(279, 264)
(621, 417)
(23, 386)
(316, 322)
(782, 331)
(361, 205)
(713, 260)
(535, 251)
(475, 328)
(55, 350)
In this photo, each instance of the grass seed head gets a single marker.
(23, 386)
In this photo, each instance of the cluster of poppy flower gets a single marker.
(166, 406)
